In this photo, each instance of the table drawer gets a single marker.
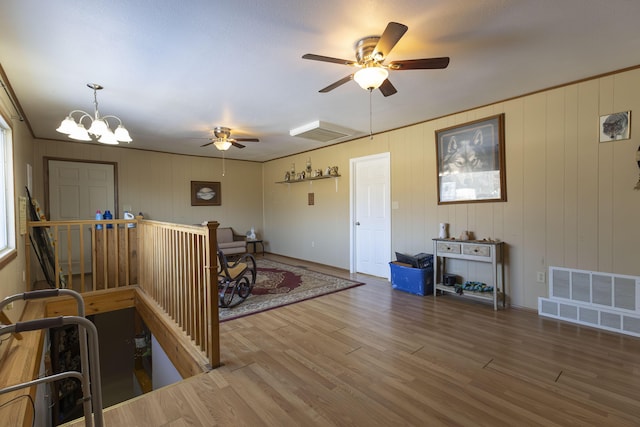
(448, 248)
(477, 250)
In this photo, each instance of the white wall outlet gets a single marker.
(540, 277)
(313, 244)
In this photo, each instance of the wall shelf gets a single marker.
(295, 181)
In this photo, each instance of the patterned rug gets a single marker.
(280, 284)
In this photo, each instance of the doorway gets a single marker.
(371, 215)
(76, 190)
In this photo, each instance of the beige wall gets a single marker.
(570, 203)
(158, 184)
(11, 275)
(570, 199)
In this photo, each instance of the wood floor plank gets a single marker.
(375, 356)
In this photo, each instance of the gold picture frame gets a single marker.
(471, 162)
(206, 193)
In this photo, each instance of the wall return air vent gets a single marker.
(322, 131)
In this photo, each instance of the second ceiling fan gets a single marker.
(223, 140)
(370, 55)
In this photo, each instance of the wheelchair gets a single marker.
(235, 279)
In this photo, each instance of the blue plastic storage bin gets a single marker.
(418, 281)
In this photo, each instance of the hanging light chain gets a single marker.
(95, 88)
(370, 115)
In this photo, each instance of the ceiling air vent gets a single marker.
(322, 131)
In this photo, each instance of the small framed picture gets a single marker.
(471, 162)
(615, 126)
(205, 193)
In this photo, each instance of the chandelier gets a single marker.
(99, 124)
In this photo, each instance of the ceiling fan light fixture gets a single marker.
(370, 78)
(222, 144)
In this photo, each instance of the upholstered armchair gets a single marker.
(231, 243)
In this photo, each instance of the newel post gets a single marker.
(142, 255)
(213, 350)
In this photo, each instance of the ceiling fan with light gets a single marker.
(371, 52)
(223, 140)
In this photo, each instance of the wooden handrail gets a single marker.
(65, 238)
(176, 265)
(178, 269)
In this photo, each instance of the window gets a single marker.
(7, 210)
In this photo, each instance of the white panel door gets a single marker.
(76, 191)
(371, 215)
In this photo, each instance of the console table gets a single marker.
(474, 251)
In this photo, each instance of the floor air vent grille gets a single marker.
(602, 300)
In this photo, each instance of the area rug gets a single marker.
(279, 284)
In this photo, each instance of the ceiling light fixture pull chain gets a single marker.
(370, 115)
(223, 170)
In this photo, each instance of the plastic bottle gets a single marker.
(129, 215)
(107, 215)
(99, 218)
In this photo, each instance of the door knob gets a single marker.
(357, 222)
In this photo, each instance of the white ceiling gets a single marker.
(173, 70)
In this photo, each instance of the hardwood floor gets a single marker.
(372, 356)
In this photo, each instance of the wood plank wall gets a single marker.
(570, 199)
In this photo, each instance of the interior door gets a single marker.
(371, 215)
(76, 191)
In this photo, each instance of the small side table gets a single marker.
(253, 243)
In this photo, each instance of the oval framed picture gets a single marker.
(205, 193)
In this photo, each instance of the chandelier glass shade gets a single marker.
(99, 126)
(371, 77)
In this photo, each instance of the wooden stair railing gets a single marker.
(178, 269)
(76, 252)
(176, 265)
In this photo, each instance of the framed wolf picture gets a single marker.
(471, 166)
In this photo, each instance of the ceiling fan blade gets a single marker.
(336, 84)
(235, 144)
(420, 64)
(327, 59)
(247, 139)
(392, 34)
(387, 88)
(208, 143)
